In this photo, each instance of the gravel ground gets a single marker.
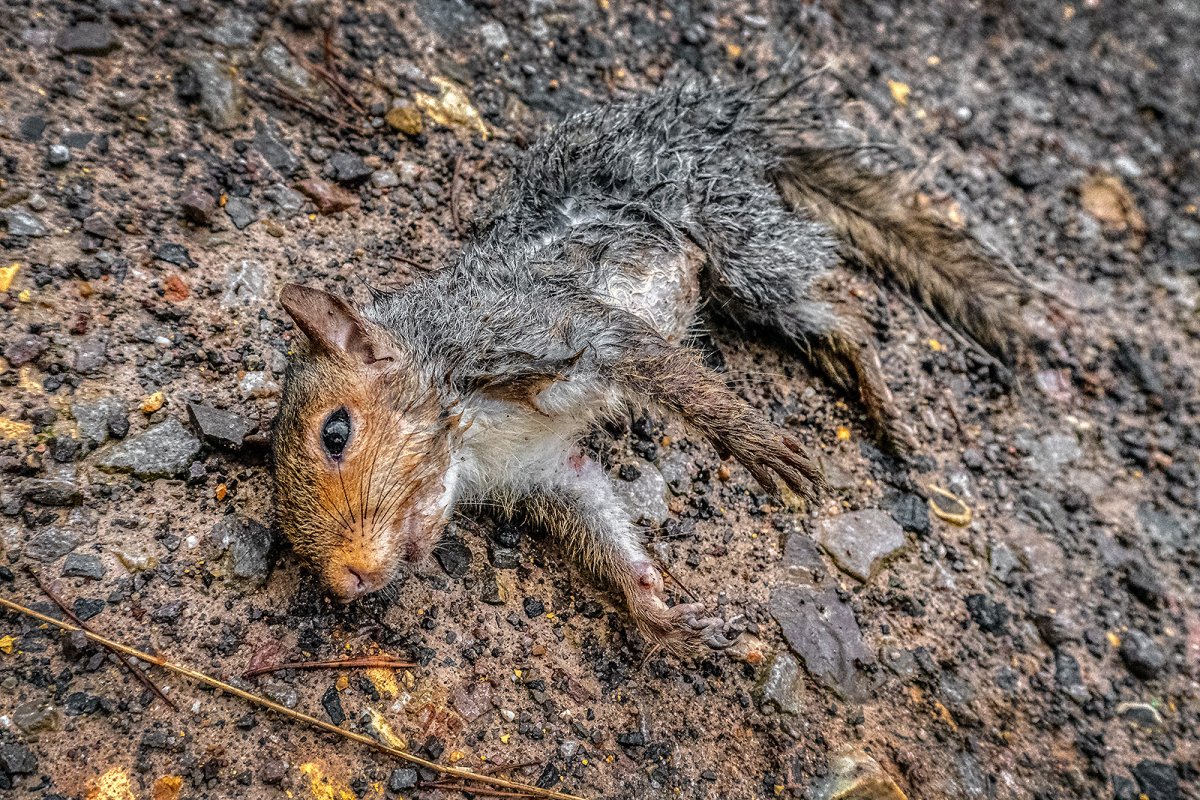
(166, 167)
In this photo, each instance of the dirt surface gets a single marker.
(167, 167)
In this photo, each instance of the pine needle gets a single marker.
(461, 774)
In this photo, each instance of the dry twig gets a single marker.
(467, 776)
(133, 669)
(364, 662)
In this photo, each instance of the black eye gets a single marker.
(336, 432)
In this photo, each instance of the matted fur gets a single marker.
(569, 303)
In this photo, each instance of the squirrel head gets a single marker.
(361, 449)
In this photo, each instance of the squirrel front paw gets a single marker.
(682, 628)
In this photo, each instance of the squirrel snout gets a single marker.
(351, 581)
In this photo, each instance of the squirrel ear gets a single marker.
(331, 324)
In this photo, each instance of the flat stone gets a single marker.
(349, 169)
(83, 565)
(854, 775)
(220, 98)
(22, 223)
(91, 354)
(453, 556)
(174, 253)
(243, 548)
(783, 685)
(87, 39)
(240, 212)
(911, 511)
(402, 778)
(233, 28)
(164, 451)
(645, 497)
(1068, 678)
(25, 348)
(276, 59)
(286, 199)
(821, 629)
(53, 543)
(274, 150)
(860, 542)
(332, 704)
(472, 700)
(803, 561)
(218, 427)
(1158, 781)
(52, 492)
(327, 198)
(17, 759)
(96, 419)
(247, 283)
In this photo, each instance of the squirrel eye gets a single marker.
(336, 432)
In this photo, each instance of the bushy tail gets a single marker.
(946, 270)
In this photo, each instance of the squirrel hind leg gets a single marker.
(838, 346)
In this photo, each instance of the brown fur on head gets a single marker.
(361, 449)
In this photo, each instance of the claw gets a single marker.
(718, 641)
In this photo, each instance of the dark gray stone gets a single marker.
(96, 418)
(218, 427)
(53, 543)
(348, 168)
(911, 511)
(174, 253)
(220, 97)
(244, 546)
(91, 354)
(402, 778)
(783, 685)
(233, 28)
(164, 451)
(454, 556)
(1158, 781)
(83, 565)
(17, 759)
(87, 39)
(860, 542)
(1068, 677)
(274, 150)
(241, 213)
(1141, 654)
(821, 629)
(22, 223)
(332, 704)
(52, 492)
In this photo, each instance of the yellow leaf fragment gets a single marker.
(6, 645)
(451, 108)
(167, 788)
(13, 429)
(112, 785)
(900, 92)
(7, 274)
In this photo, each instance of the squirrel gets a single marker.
(572, 303)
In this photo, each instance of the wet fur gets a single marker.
(573, 301)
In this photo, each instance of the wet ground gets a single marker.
(166, 167)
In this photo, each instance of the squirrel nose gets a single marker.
(352, 582)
